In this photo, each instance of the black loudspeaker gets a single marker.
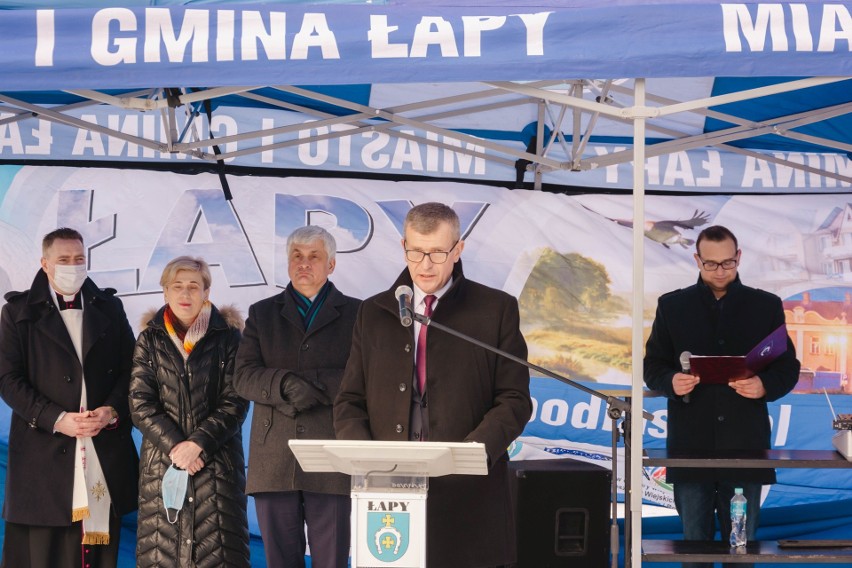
(562, 513)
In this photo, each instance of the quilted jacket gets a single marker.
(172, 401)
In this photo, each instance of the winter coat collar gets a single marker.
(228, 316)
(41, 309)
(707, 295)
(388, 301)
(329, 312)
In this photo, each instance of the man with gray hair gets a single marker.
(290, 363)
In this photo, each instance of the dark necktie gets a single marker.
(421, 346)
(73, 304)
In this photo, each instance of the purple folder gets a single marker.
(721, 369)
(768, 350)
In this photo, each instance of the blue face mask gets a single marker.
(174, 490)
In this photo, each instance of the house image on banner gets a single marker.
(834, 244)
(820, 324)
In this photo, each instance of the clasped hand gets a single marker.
(84, 424)
(301, 394)
(187, 455)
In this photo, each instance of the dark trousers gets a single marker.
(282, 517)
(701, 504)
(26, 546)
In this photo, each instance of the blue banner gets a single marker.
(240, 44)
(700, 170)
(566, 258)
(568, 422)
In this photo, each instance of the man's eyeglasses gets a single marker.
(712, 265)
(436, 256)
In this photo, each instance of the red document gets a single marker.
(722, 369)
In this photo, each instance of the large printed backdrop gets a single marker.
(567, 259)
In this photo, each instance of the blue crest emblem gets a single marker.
(387, 535)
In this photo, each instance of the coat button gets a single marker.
(417, 435)
(264, 394)
(188, 541)
(304, 347)
(300, 429)
(721, 419)
(399, 428)
(266, 422)
(64, 450)
(67, 379)
(408, 348)
(402, 387)
(721, 342)
(189, 499)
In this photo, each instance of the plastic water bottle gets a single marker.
(738, 518)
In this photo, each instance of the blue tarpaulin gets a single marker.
(335, 78)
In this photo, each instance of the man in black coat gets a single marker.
(65, 358)
(290, 362)
(717, 316)
(400, 386)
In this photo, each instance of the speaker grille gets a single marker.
(572, 529)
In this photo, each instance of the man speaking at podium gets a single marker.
(716, 316)
(422, 384)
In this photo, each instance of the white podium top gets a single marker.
(358, 457)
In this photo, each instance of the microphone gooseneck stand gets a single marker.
(616, 409)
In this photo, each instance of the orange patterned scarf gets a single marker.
(186, 341)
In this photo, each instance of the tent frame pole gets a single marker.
(634, 450)
(539, 144)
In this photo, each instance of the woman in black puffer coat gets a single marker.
(183, 402)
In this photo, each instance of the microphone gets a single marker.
(686, 368)
(403, 295)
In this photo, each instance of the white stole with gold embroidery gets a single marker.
(91, 500)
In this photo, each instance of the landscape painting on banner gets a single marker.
(568, 259)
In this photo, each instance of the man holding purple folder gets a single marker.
(717, 316)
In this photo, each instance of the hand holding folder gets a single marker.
(722, 369)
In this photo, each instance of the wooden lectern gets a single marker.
(390, 481)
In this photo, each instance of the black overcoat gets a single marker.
(274, 344)
(473, 395)
(716, 417)
(172, 401)
(40, 377)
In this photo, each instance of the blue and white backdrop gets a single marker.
(567, 259)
